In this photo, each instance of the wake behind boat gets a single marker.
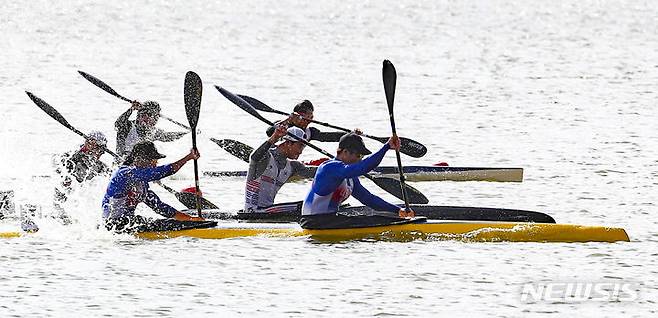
(426, 173)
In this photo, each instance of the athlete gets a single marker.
(338, 179)
(270, 167)
(129, 186)
(301, 117)
(79, 166)
(130, 132)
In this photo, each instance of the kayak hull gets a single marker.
(291, 212)
(425, 173)
(10, 234)
(433, 230)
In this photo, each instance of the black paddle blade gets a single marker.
(408, 146)
(236, 148)
(192, 90)
(258, 104)
(412, 148)
(389, 76)
(393, 186)
(102, 85)
(189, 201)
(242, 104)
(52, 112)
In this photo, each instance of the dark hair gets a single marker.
(129, 160)
(150, 108)
(304, 107)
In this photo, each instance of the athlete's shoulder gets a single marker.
(332, 162)
(330, 165)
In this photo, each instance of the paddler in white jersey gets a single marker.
(338, 179)
(131, 132)
(270, 167)
(81, 165)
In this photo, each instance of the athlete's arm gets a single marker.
(154, 202)
(152, 174)
(333, 136)
(302, 170)
(194, 154)
(270, 130)
(364, 196)
(159, 172)
(261, 153)
(122, 125)
(364, 166)
(259, 160)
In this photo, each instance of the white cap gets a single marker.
(98, 137)
(295, 131)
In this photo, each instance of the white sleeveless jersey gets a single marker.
(322, 204)
(260, 192)
(132, 139)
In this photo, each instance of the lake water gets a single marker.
(564, 89)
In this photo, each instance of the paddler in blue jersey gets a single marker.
(130, 132)
(270, 167)
(338, 179)
(129, 186)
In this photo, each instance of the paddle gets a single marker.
(389, 77)
(52, 112)
(192, 93)
(189, 200)
(390, 185)
(183, 197)
(407, 146)
(236, 148)
(102, 85)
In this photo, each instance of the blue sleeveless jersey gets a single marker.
(336, 181)
(129, 186)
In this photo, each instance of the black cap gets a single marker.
(353, 143)
(144, 150)
(150, 108)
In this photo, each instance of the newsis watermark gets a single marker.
(602, 291)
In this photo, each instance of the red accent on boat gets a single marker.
(316, 162)
(191, 190)
(441, 164)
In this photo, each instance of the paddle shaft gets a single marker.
(102, 85)
(389, 77)
(325, 124)
(408, 146)
(53, 113)
(196, 173)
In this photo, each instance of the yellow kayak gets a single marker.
(441, 230)
(469, 231)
